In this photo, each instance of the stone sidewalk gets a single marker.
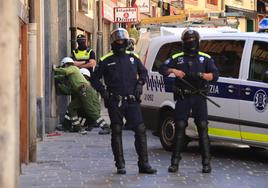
(86, 161)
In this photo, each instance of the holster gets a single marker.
(177, 93)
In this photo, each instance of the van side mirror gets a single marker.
(265, 76)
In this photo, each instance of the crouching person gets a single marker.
(83, 95)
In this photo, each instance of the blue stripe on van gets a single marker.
(219, 89)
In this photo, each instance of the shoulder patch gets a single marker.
(204, 54)
(177, 55)
(106, 56)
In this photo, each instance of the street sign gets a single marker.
(125, 14)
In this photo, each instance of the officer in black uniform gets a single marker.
(196, 68)
(124, 76)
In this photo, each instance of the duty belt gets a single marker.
(120, 99)
(189, 92)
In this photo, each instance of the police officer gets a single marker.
(124, 76)
(84, 96)
(197, 68)
(84, 56)
(131, 44)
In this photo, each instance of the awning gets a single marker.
(252, 14)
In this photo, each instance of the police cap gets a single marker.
(80, 37)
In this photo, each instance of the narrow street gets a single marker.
(77, 161)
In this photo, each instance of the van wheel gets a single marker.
(167, 130)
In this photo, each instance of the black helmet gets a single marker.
(190, 39)
(131, 44)
(119, 34)
(190, 34)
(80, 37)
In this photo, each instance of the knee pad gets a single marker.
(181, 124)
(116, 129)
(140, 129)
(202, 125)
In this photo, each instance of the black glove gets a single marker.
(138, 92)
(106, 98)
(195, 75)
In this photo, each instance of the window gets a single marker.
(165, 52)
(212, 2)
(226, 54)
(258, 61)
(83, 6)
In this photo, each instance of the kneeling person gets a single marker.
(84, 96)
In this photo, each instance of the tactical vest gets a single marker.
(82, 55)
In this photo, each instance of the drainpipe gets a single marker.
(100, 29)
(32, 36)
(72, 24)
(95, 28)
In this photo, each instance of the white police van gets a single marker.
(241, 91)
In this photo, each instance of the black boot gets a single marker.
(141, 149)
(67, 124)
(121, 170)
(178, 145)
(105, 129)
(204, 144)
(206, 168)
(145, 168)
(117, 148)
(174, 167)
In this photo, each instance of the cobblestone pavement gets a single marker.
(77, 161)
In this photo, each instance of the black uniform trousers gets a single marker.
(197, 105)
(131, 111)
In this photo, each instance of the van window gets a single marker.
(258, 61)
(226, 54)
(165, 52)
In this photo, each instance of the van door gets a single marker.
(253, 93)
(154, 93)
(227, 54)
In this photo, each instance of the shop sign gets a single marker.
(144, 6)
(125, 14)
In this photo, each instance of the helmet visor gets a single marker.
(119, 34)
(190, 35)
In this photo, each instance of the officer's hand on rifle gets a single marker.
(207, 76)
(177, 73)
(106, 98)
(138, 91)
(195, 75)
